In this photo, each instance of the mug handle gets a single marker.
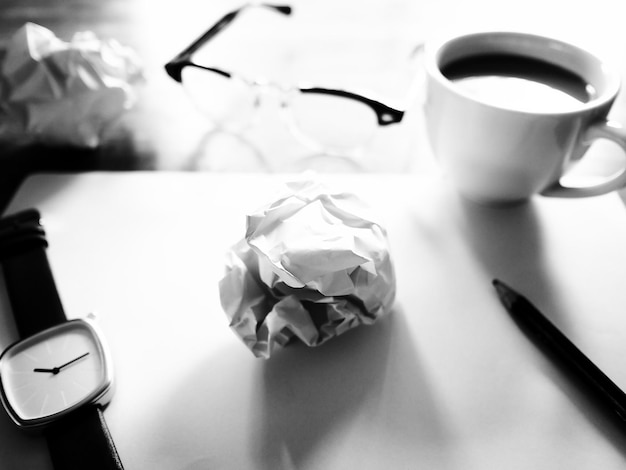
(609, 130)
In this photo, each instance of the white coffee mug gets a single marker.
(497, 150)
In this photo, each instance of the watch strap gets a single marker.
(82, 441)
(28, 277)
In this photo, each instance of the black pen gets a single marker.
(540, 328)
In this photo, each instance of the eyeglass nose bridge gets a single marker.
(266, 90)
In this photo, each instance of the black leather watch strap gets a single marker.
(32, 292)
(82, 440)
(30, 285)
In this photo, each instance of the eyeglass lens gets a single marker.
(331, 121)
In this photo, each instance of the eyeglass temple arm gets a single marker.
(173, 67)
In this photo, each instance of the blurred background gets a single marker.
(362, 45)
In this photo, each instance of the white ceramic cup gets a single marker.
(496, 153)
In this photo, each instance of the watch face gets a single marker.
(53, 372)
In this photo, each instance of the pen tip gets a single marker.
(500, 286)
(506, 294)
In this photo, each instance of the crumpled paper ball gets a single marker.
(313, 265)
(57, 92)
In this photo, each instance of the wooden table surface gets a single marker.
(363, 44)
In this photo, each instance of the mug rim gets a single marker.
(433, 51)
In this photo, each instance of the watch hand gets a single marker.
(72, 361)
(56, 370)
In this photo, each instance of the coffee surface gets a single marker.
(519, 82)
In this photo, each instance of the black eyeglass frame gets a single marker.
(385, 114)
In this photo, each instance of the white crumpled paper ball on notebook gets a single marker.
(57, 92)
(313, 264)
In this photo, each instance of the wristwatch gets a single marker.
(58, 377)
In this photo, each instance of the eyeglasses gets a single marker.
(336, 120)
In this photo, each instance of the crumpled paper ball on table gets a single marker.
(313, 264)
(57, 92)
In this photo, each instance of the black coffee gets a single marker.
(519, 82)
